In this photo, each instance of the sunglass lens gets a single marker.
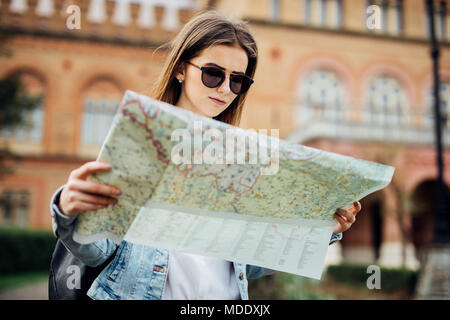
(239, 84)
(212, 77)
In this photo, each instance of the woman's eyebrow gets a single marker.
(220, 67)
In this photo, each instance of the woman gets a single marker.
(208, 71)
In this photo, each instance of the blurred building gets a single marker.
(347, 76)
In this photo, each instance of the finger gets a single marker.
(91, 198)
(80, 206)
(349, 217)
(89, 168)
(344, 224)
(355, 208)
(93, 187)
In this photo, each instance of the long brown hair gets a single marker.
(206, 29)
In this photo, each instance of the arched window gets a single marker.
(14, 208)
(444, 88)
(321, 97)
(100, 104)
(7, 207)
(32, 127)
(386, 102)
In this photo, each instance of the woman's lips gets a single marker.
(219, 102)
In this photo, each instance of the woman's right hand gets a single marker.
(80, 195)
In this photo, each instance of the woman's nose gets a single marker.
(225, 86)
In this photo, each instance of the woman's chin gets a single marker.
(212, 113)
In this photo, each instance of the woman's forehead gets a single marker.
(230, 58)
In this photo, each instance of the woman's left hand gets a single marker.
(346, 218)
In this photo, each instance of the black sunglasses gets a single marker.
(213, 77)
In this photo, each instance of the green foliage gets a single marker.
(300, 288)
(14, 106)
(25, 250)
(285, 286)
(391, 278)
(346, 281)
(13, 281)
(15, 103)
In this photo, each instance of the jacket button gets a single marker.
(159, 269)
(241, 276)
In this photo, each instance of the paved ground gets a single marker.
(36, 291)
(434, 281)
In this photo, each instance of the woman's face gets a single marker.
(198, 98)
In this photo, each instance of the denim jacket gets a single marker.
(137, 271)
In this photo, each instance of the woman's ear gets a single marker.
(180, 74)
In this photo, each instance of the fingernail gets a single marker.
(108, 166)
(118, 192)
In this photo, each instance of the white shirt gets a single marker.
(193, 277)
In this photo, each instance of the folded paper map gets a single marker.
(197, 185)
